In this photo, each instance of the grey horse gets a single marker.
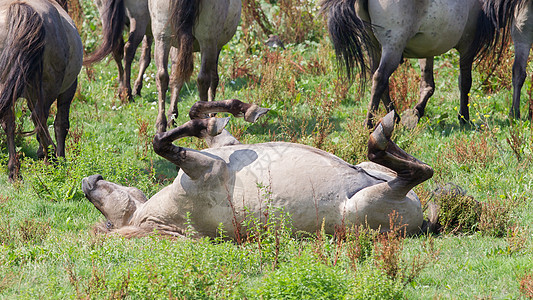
(389, 30)
(115, 14)
(222, 184)
(189, 25)
(40, 58)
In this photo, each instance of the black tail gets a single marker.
(63, 3)
(183, 17)
(113, 22)
(348, 34)
(21, 61)
(493, 29)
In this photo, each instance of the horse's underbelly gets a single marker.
(430, 44)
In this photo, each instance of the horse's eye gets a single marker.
(109, 225)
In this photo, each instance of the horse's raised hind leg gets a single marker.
(61, 122)
(13, 164)
(519, 75)
(383, 151)
(465, 84)
(427, 87)
(144, 62)
(195, 164)
(380, 82)
(176, 83)
(373, 205)
(162, 49)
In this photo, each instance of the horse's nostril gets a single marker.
(88, 183)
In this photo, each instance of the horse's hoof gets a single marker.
(410, 118)
(216, 125)
(255, 112)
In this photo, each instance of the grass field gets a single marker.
(48, 248)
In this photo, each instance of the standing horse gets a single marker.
(522, 34)
(189, 25)
(389, 30)
(40, 58)
(115, 15)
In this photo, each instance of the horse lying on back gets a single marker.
(219, 185)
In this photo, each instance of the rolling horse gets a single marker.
(386, 31)
(222, 184)
(40, 57)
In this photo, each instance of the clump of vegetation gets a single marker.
(526, 286)
(303, 278)
(458, 212)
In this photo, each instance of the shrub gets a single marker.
(458, 212)
(372, 283)
(302, 278)
(526, 286)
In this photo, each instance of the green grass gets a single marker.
(48, 250)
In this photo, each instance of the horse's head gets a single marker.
(116, 202)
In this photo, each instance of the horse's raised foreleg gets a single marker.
(521, 50)
(162, 49)
(61, 122)
(380, 82)
(465, 84)
(176, 83)
(143, 63)
(13, 164)
(194, 163)
(249, 111)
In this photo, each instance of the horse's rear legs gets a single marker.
(465, 84)
(427, 87)
(519, 75)
(61, 122)
(383, 151)
(13, 164)
(380, 82)
(143, 63)
(208, 76)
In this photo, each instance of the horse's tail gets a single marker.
(21, 60)
(183, 17)
(348, 34)
(493, 29)
(63, 4)
(113, 22)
